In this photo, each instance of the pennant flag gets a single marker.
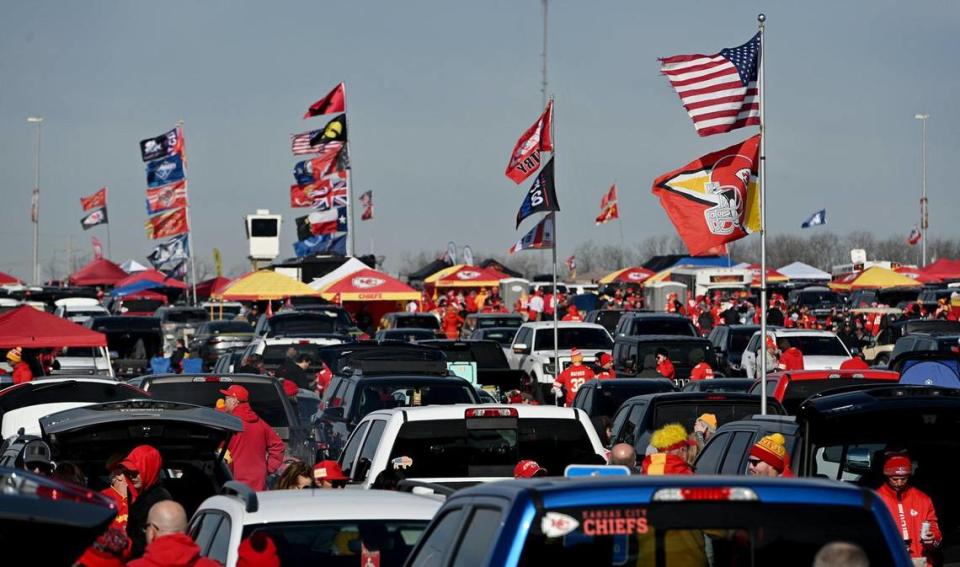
(95, 201)
(610, 197)
(166, 197)
(97, 248)
(170, 254)
(914, 237)
(572, 266)
(322, 222)
(525, 159)
(334, 131)
(612, 212)
(714, 199)
(321, 244)
(335, 101)
(171, 223)
(817, 218)
(540, 237)
(167, 144)
(164, 171)
(94, 218)
(35, 205)
(542, 196)
(366, 199)
(719, 91)
(325, 163)
(329, 192)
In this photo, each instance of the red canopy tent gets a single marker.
(8, 279)
(370, 290)
(942, 270)
(212, 286)
(29, 328)
(97, 272)
(151, 276)
(917, 274)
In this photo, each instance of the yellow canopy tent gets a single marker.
(264, 285)
(876, 278)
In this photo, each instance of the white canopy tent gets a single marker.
(131, 266)
(349, 267)
(801, 271)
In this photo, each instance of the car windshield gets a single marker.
(265, 398)
(817, 298)
(656, 326)
(484, 322)
(85, 312)
(39, 392)
(396, 395)
(608, 398)
(186, 316)
(407, 335)
(580, 337)
(683, 353)
(816, 345)
(799, 390)
(303, 325)
(141, 305)
(228, 327)
(275, 355)
(135, 345)
(491, 447)
(739, 340)
(503, 337)
(418, 322)
(701, 533)
(608, 319)
(686, 412)
(341, 542)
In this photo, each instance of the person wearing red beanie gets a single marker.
(910, 508)
(258, 550)
(769, 457)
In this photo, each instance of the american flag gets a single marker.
(300, 144)
(719, 91)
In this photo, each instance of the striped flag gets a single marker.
(300, 144)
(540, 236)
(719, 91)
(914, 237)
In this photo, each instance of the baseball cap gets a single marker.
(328, 470)
(37, 452)
(605, 358)
(238, 392)
(528, 469)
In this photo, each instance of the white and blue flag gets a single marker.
(817, 218)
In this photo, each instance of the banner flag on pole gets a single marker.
(335, 101)
(608, 206)
(321, 244)
(94, 218)
(325, 163)
(165, 170)
(167, 144)
(525, 159)
(540, 237)
(914, 237)
(171, 253)
(334, 131)
(97, 248)
(166, 197)
(366, 199)
(542, 196)
(816, 219)
(322, 222)
(95, 201)
(171, 223)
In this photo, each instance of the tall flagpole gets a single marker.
(761, 18)
(346, 144)
(190, 247)
(556, 301)
(109, 246)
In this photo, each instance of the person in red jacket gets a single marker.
(664, 365)
(855, 362)
(21, 370)
(573, 314)
(672, 443)
(573, 377)
(606, 366)
(702, 370)
(256, 451)
(323, 378)
(912, 510)
(451, 322)
(168, 544)
(790, 357)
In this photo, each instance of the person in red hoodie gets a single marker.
(451, 322)
(855, 362)
(21, 370)
(141, 471)
(672, 443)
(606, 367)
(910, 508)
(168, 544)
(790, 357)
(256, 451)
(664, 365)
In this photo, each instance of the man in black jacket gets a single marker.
(297, 372)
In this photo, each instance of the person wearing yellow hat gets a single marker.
(769, 457)
(704, 428)
(671, 443)
(21, 370)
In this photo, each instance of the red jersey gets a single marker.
(120, 520)
(607, 374)
(666, 369)
(701, 371)
(572, 378)
(916, 509)
(22, 373)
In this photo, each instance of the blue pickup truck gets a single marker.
(659, 521)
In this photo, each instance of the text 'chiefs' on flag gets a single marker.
(719, 91)
(95, 201)
(335, 101)
(166, 197)
(714, 199)
(542, 196)
(171, 223)
(525, 159)
(540, 237)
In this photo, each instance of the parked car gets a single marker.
(822, 350)
(921, 342)
(604, 397)
(132, 342)
(228, 363)
(820, 301)
(313, 526)
(640, 416)
(274, 349)
(460, 445)
(180, 322)
(267, 400)
(502, 335)
(140, 304)
(879, 353)
(475, 321)
(482, 363)
(608, 318)
(533, 350)
(634, 323)
(287, 324)
(406, 319)
(404, 334)
(214, 338)
(637, 356)
(656, 520)
(729, 342)
(719, 385)
(792, 388)
(79, 309)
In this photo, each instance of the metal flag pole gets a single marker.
(763, 224)
(35, 201)
(924, 224)
(346, 146)
(556, 302)
(623, 255)
(109, 246)
(193, 261)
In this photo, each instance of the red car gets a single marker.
(793, 387)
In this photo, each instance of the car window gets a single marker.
(652, 326)
(523, 337)
(580, 337)
(816, 345)
(352, 448)
(477, 540)
(221, 542)
(709, 460)
(339, 543)
(738, 448)
(370, 446)
(440, 538)
(619, 421)
(629, 430)
(203, 530)
(265, 398)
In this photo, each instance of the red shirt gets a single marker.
(607, 374)
(572, 378)
(791, 359)
(120, 520)
(666, 369)
(917, 508)
(855, 363)
(701, 371)
(323, 378)
(22, 373)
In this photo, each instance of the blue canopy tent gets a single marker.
(135, 287)
(943, 372)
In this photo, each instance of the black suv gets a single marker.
(304, 323)
(639, 417)
(729, 342)
(132, 342)
(637, 356)
(604, 397)
(634, 323)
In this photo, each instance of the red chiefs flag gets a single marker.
(610, 197)
(608, 214)
(95, 201)
(525, 159)
(166, 197)
(713, 200)
(167, 224)
(335, 101)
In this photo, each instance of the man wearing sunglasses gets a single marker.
(141, 469)
(768, 457)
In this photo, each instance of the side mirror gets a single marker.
(333, 414)
(859, 461)
(520, 348)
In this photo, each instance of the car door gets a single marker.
(479, 535)
(523, 337)
(749, 359)
(361, 472)
(439, 539)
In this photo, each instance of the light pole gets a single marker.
(924, 224)
(35, 201)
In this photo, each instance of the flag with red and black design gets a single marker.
(95, 201)
(167, 224)
(525, 159)
(335, 101)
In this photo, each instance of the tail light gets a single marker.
(491, 412)
(211, 379)
(70, 494)
(721, 493)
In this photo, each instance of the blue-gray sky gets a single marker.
(437, 94)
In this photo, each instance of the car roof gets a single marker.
(406, 379)
(406, 330)
(784, 332)
(562, 324)
(315, 504)
(192, 378)
(494, 315)
(879, 397)
(869, 374)
(653, 315)
(456, 411)
(625, 382)
(662, 338)
(42, 380)
(696, 396)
